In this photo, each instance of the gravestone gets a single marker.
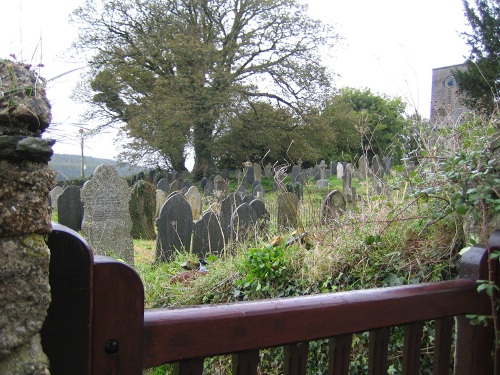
(377, 168)
(249, 171)
(363, 167)
(53, 195)
(257, 172)
(296, 172)
(340, 171)
(242, 190)
(259, 192)
(347, 184)
(208, 190)
(243, 222)
(161, 197)
(221, 187)
(203, 182)
(248, 198)
(387, 164)
(333, 206)
(175, 227)
(225, 173)
(142, 210)
(171, 177)
(322, 182)
(333, 168)
(163, 185)
(207, 235)
(268, 170)
(193, 197)
(262, 213)
(175, 186)
(106, 219)
(228, 206)
(288, 216)
(70, 208)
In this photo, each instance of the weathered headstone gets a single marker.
(387, 164)
(203, 182)
(175, 227)
(333, 206)
(262, 213)
(340, 170)
(228, 206)
(193, 197)
(142, 210)
(268, 171)
(70, 208)
(288, 216)
(250, 174)
(106, 221)
(347, 184)
(377, 168)
(164, 185)
(333, 168)
(208, 190)
(207, 235)
(322, 182)
(257, 172)
(161, 197)
(221, 187)
(258, 192)
(242, 190)
(53, 195)
(296, 171)
(243, 222)
(363, 167)
(175, 186)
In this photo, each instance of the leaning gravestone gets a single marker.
(296, 171)
(334, 205)
(106, 221)
(53, 195)
(288, 216)
(207, 235)
(142, 210)
(70, 208)
(175, 227)
(193, 197)
(347, 184)
(250, 174)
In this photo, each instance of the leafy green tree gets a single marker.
(361, 122)
(169, 71)
(480, 82)
(262, 133)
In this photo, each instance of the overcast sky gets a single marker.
(389, 46)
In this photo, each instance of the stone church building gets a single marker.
(446, 107)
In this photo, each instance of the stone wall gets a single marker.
(24, 218)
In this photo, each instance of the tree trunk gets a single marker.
(204, 164)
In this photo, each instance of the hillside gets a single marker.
(68, 167)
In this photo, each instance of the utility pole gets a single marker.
(82, 170)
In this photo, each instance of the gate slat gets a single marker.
(339, 355)
(377, 357)
(296, 358)
(245, 363)
(412, 347)
(189, 367)
(442, 346)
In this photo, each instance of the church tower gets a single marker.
(446, 107)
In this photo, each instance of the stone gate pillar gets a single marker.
(25, 181)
